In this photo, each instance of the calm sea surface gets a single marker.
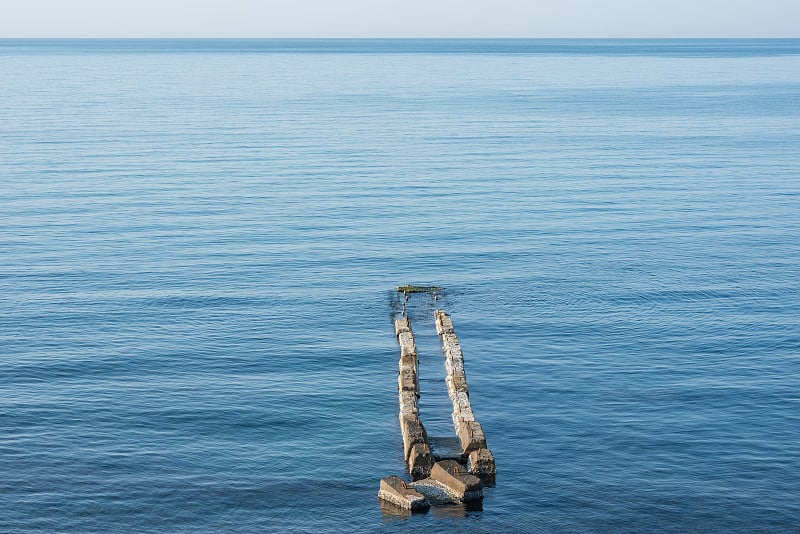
(199, 242)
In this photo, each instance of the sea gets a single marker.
(201, 240)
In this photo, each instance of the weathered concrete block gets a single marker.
(450, 343)
(420, 461)
(402, 325)
(455, 373)
(394, 489)
(457, 382)
(409, 361)
(460, 399)
(407, 379)
(481, 464)
(454, 360)
(443, 322)
(471, 435)
(407, 345)
(460, 419)
(413, 433)
(461, 406)
(459, 484)
(434, 492)
(408, 403)
(453, 354)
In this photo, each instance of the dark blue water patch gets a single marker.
(599, 47)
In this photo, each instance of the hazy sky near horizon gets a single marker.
(400, 18)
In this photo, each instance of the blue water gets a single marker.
(199, 242)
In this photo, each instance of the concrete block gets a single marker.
(454, 359)
(450, 343)
(434, 492)
(462, 418)
(471, 435)
(481, 464)
(408, 403)
(420, 461)
(443, 322)
(455, 368)
(407, 345)
(457, 383)
(409, 361)
(459, 420)
(413, 433)
(461, 405)
(459, 484)
(407, 380)
(401, 325)
(394, 490)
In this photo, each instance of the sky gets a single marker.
(399, 18)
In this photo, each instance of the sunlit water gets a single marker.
(200, 240)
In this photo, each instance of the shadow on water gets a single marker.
(394, 513)
(445, 447)
(391, 512)
(457, 510)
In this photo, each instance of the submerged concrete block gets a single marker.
(394, 489)
(420, 461)
(401, 325)
(460, 485)
(481, 464)
(471, 435)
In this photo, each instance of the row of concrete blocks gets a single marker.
(469, 431)
(444, 481)
(416, 448)
(446, 484)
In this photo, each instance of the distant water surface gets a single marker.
(200, 241)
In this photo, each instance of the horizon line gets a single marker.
(364, 38)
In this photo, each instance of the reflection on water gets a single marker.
(393, 513)
(457, 510)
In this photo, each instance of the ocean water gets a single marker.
(200, 241)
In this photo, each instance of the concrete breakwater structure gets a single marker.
(480, 460)
(436, 478)
(416, 449)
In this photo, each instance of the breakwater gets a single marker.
(416, 448)
(479, 458)
(447, 480)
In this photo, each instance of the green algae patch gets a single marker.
(418, 289)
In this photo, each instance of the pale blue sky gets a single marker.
(399, 18)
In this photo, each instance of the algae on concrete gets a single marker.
(418, 289)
